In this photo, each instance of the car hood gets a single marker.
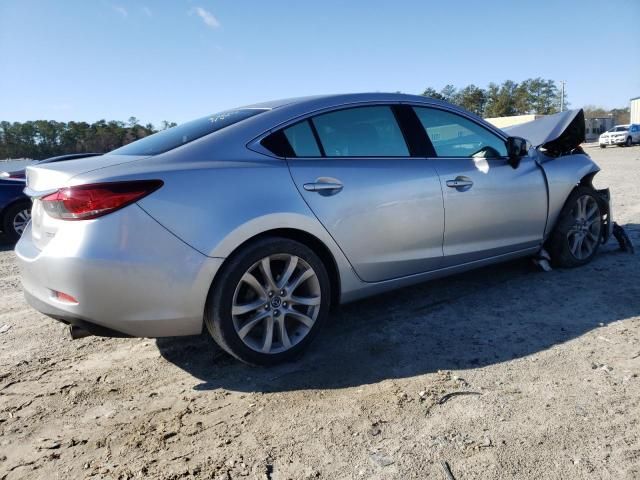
(558, 133)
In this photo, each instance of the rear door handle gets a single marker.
(327, 188)
(460, 183)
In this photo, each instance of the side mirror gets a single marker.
(516, 149)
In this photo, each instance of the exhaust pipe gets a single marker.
(78, 332)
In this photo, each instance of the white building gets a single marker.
(635, 110)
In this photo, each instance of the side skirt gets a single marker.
(368, 289)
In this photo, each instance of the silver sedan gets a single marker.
(253, 222)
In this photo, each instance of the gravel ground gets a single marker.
(552, 359)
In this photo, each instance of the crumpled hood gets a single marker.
(558, 133)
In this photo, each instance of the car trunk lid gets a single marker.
(43, 180)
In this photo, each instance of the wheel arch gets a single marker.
(10, 204)
(585, 181)
(13, 202)
(309, 240)
(564, 175)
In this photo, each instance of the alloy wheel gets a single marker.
(276, 303)
(583, 236)
(21, 220)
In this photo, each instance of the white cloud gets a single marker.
(207, 17)
(121, 10)
(147, 11)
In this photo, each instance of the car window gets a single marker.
(302, 141)
(361, 132)
(455, 136)
(187, 132)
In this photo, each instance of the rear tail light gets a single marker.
(83, 202)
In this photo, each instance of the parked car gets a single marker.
(15, 206)
(253, 222)
(622, 135)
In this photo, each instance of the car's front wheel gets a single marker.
(15, 220)
(576, 238)
(603, 146)
(269, 301)
(628, 142)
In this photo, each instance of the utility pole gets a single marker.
(562, 82)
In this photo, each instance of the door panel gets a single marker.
(387, 217)
(490, 207)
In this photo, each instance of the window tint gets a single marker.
(361, 132)
(302, 141)
(455, 136)
(187, 132)
(278, 144)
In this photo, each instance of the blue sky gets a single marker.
(181, 59)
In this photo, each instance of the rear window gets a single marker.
(187, 132)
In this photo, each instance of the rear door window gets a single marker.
(361, 132)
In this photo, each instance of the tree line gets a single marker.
(534, 95)
(46, 138)
(40, 139)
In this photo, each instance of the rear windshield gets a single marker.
(187, 132)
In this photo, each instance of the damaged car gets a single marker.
(254, 222)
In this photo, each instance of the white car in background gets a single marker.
(624, 135)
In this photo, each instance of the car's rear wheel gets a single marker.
(603, 146)
(15, 220)
(269, 301)
(576, 238)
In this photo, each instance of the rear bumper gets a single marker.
(130, 275)
(67, 319)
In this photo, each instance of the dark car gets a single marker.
(15, 206)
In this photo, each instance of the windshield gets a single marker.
(619, 129)
(187, 132)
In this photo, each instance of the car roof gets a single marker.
(316, 101)
(290, 109)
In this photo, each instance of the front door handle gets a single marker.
(324, 187)
(461, 183)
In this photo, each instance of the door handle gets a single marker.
(327, 188)
(460, 183)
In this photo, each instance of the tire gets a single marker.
(603, 146)
(628, 143)
(248, 323)
(578, 232)
(15, 219)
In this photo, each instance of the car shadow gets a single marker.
(487, 316)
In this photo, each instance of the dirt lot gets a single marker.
(553, 357)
